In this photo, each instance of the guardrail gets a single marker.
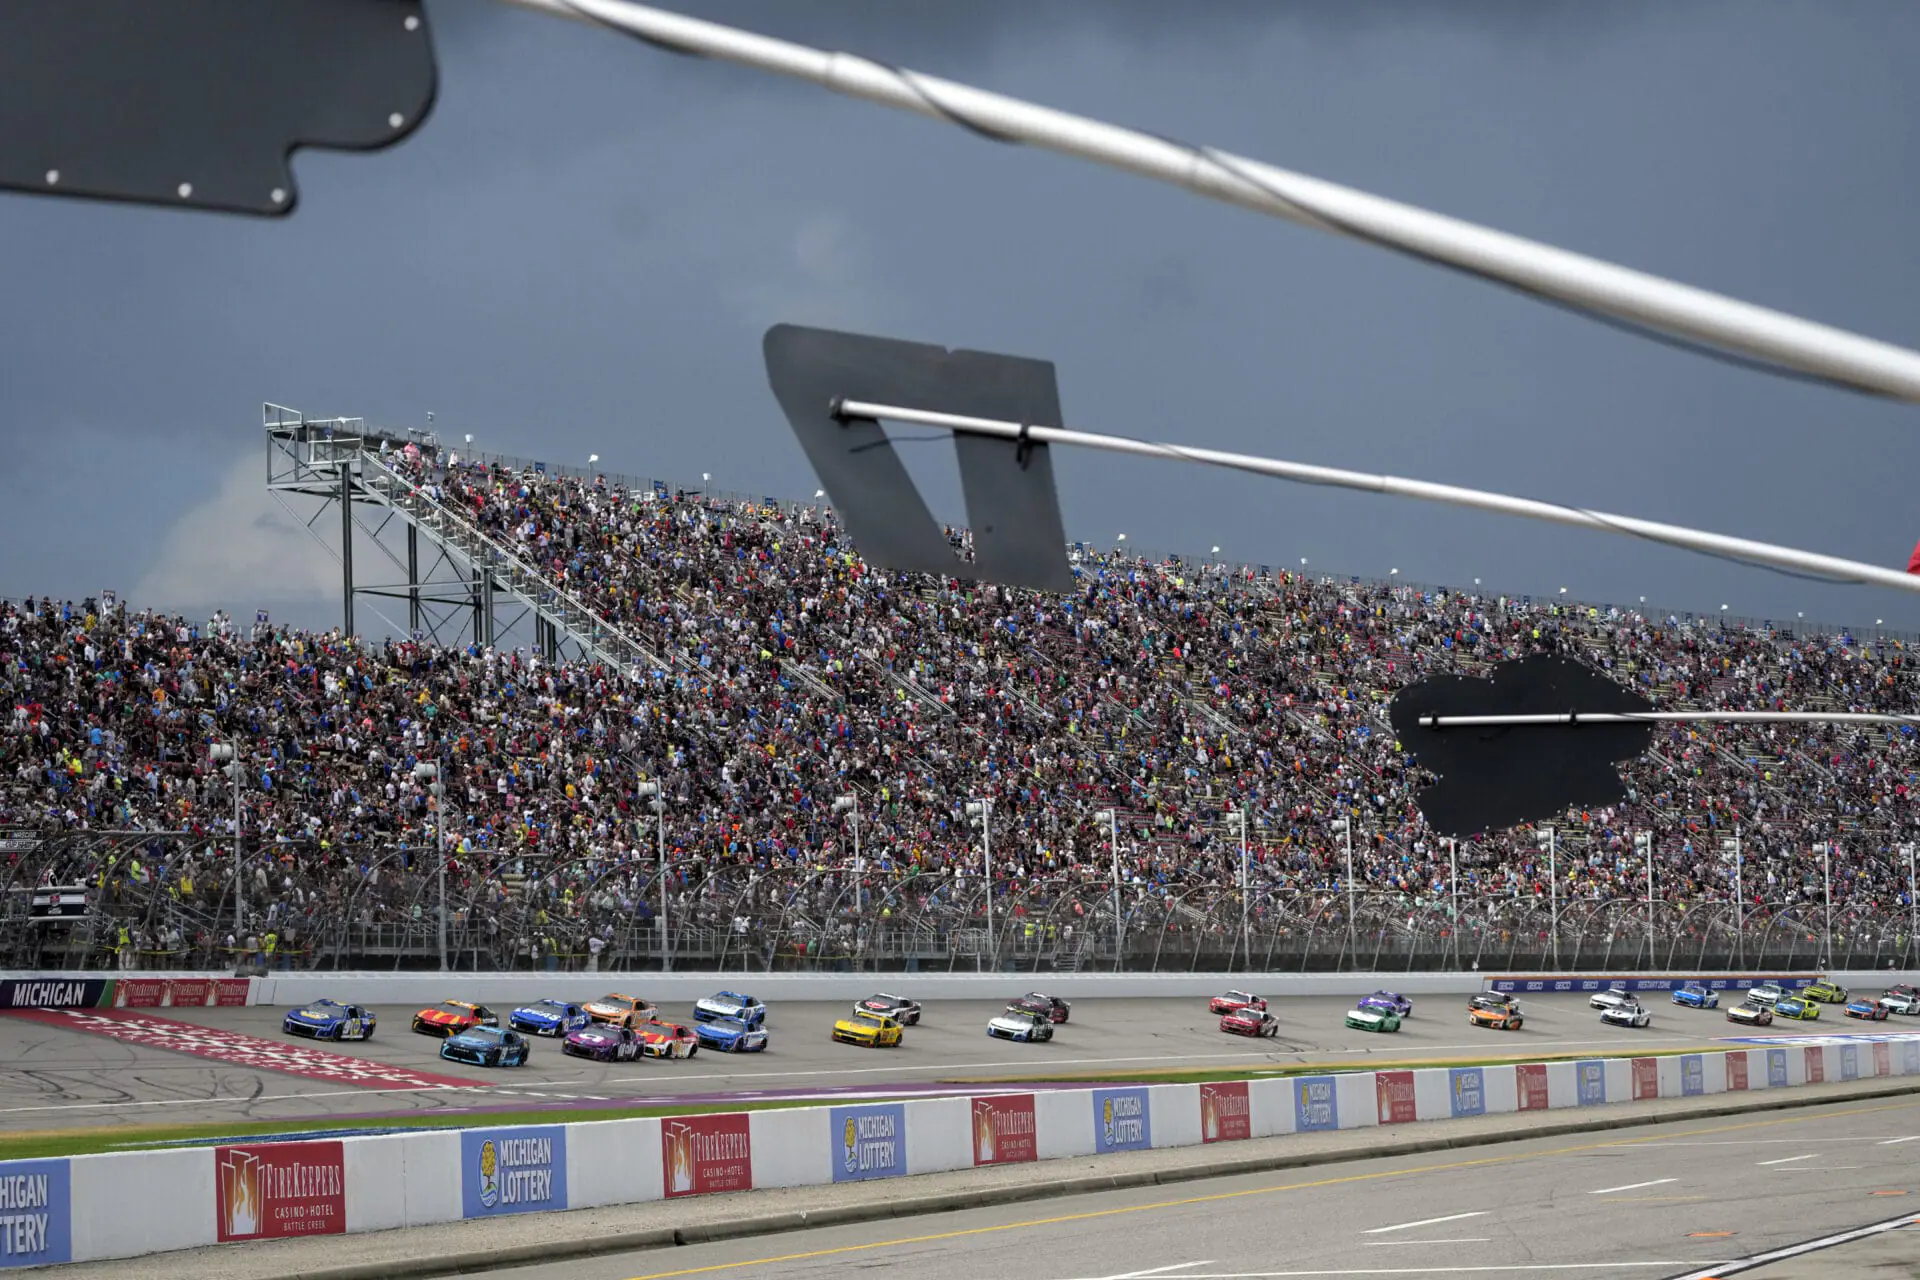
(127, 1205)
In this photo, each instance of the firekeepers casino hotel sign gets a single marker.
(280, 1189)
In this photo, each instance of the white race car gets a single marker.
(731, 1004)
(1767, 993)
(1611, 999)
(1902, 999)
(1027, 1027)
(1629, 1013)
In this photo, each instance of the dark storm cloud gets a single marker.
(579, 252)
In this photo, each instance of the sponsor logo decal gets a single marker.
(1122, 1120)
(51, 993)
(703, 1154)
(1004, 1131)
(1849, 1062)
(1393, 1092)
(1693, 1076)
(512, 1170)
(1315, 1104)
(1591, 1077)
(36, 1213)
(1646, 1080)
(1882, 1058)
(1737, 1071)
(278, 1189)
(1531, 1080)
(1469, 1089)
(1776, 1068)
(871, 1142)
(1816, 1064)
(1226, 1112)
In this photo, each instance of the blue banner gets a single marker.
(1849, 1062)
(1592, 1080)
(1776, 1068)
(1724, 982)
(1314, 1104)
(1468, 1086)
(521, 1170)
(36, 1213)
(869, 1141)
(1693, 1076)
(1910, 1058)
(1122, 1120)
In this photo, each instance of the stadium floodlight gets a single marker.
(428, 773)
(657, 801)
(1344, 826)
(228, 753)
(980, 812)
(849, 804)
(1548, 838)
(1237, 823)
(1112, 819)
(1643, 846)
(1732, 847)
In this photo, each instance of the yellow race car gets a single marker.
(620, 1010)
(1826, 992)
(874, 1030)
(1797, 1007)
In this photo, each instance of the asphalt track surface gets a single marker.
(1686, 1199)
(55, 1075)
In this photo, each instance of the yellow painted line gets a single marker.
(1217, 1196)
(1707, 1235)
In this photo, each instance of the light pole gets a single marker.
(1913, 906)
(1237, 820)
(1643, 845)
(1549, 838)
(981, 811)
(1826, 881)
(428, 772)
(1739, 897)
(1345, 827)
(1112, 820)
(657, 800)
(1453, 887)
(229, 754)
(849, 805)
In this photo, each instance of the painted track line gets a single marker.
(1632, 1186)
(1424, 1222)
(1716, 1270)
(1788, 1159)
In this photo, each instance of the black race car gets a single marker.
(899, 1008)
(1052, 1008)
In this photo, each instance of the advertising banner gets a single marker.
(703, 1154)
(36, 1213)
(1226, 1114)
(1776, 1068)
(1393, 1093)
(870, 1141)
(1586, 983)
(52, 993)
(1910, 1058)
(1646, 1079)
(1468, 1087)
(1314, 1104)
(1592, 1080)
(232, 992)
(190, 993)
(1849, 1062)
(522, 1170)
(1531, 1080)
(1737, 1072)
(139, 993)
(1816, 1064)
(278, 1189)
(1122, 1120)
(1882, 1058)
(1004, 1131)
(1693, 1075)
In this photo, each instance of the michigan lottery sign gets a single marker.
(36, 1213)
(512, 1170)
(869, 1141)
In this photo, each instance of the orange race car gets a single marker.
(665, 1039)
(621, 1011)
(1501, 1015)
(451, 1017)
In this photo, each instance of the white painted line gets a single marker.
(1156, 1271)
(1788, 1159)
(1449, 1271)
(1394, 1244)
(1424, 1222)
(1825, 1168)
(1888, 1142)
(1632, 1186)
(1715, 1270)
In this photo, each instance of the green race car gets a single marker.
(1373, 1020)
(1798, 1008)
(1826, 993)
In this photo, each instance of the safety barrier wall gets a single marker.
(124, 1205)
(78, 990)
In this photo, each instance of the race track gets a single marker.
(74, 1069)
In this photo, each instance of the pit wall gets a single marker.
(125, 1205)
(88, 990)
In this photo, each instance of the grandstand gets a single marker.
(816, 730)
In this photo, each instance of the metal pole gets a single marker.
(1913, 908)
(1739, 901)
(346, 542)
(1553, 892)
(239, 880)
(1113, 847)
(986, 844)
(439, 793)
(1246, 889)
(666, 929)
(1826, 877)
(1653, 954)
(1453, 884)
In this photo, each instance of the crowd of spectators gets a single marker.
(1171, 693)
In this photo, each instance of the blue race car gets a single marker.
(330, 1020)
(1868, 1007)
(1696, 996)
(548, 1018)
(731, 1004)
(1388, 1002)
(730, 1035)
(487, 1047)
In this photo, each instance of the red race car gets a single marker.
(1041, 1005)
(665, 1040)
(1250, 1022)
(1233, 1000)
(451, 1017)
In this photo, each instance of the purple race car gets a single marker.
(1388, 1002)
(602, 1042)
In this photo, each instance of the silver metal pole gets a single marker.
(1246, 890)
(1913, 908)
(1567, 718)
(239, 880)
(1553, 892)
(986, 844)
(440, 848)
(1535, 268)
(1653, 954)
(1739, 900)
(666, 924)
(1453, 883)
(1113, 848)
(1826, 877)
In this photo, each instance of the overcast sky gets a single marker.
(579, 252)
